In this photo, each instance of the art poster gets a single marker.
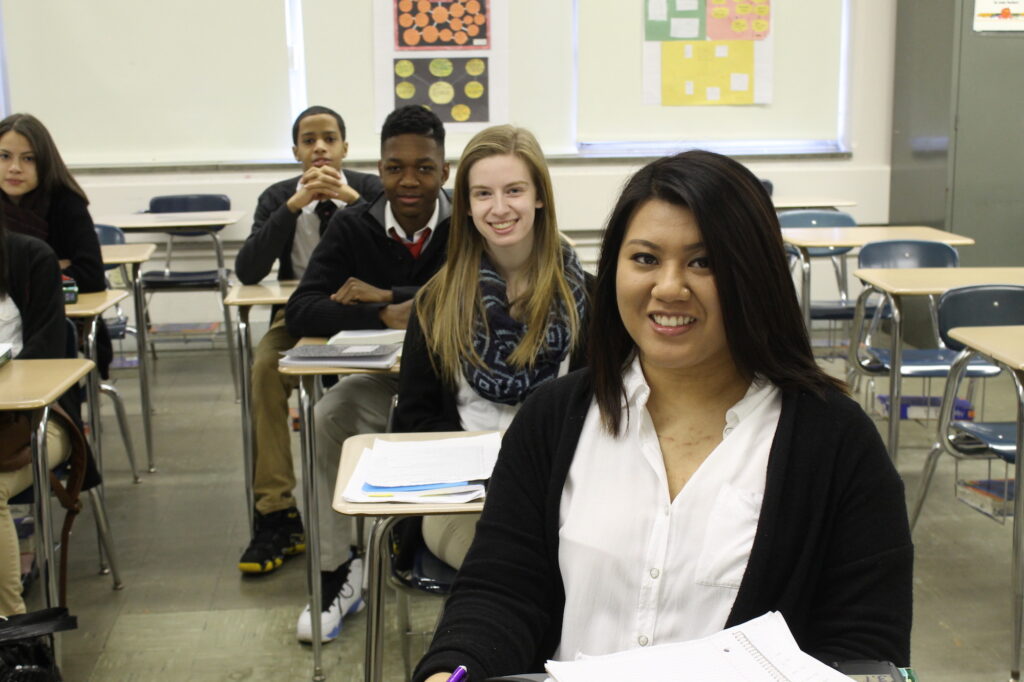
(447, 55)
(999, 15)
(707, 52)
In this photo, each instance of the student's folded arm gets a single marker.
(421, 393)
(79, 244)
(43, 327)
(862, 606)
(310, 310)
(498, 618)
(403, 293)
(272, 228)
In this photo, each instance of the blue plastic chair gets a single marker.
(814, 217)
(924, 363)
(194, 280)
(975, 306)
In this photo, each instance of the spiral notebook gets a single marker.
(760, 650)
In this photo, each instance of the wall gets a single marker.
(585, 188)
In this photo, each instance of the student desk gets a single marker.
(804, 238)
(208, 222)
(35, 385)
(898, 283)
(1005, 345)
(307, 376)
(244, 297)
(385, 514)
(89, 308)
(135, 255)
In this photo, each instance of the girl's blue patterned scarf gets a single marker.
(498, 380)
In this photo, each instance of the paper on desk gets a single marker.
(358, 490)
(761, 649)
(382, 336)
(451, 460)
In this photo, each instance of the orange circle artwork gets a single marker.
(440, 24)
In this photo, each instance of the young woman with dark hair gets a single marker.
(42, 199)
(701, 472)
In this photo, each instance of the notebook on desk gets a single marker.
(356, 355)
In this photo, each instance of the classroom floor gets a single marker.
(186, 613)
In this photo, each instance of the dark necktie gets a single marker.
(415, 246)
(325, 209)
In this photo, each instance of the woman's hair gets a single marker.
(449, 306)
(763, 323)
(50, 168)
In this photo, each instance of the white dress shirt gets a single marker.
(307, 231)
(480, 414)
(638, 568)
(10, 325)
(391, 223)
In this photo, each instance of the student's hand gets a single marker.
(438, 677)
(357, 291)
(348, 195)
(65, 263)
(318, 183)
(396, 315)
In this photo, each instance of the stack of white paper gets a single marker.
(383, 336)
(759, 650)
(426, 471)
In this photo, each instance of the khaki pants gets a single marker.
(274, 474)
(449, 536)
(58, 446)
(359, 403)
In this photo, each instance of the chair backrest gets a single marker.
(983, 305)
(109, 234)
(908, 253)
(180, 203)
(815, 217)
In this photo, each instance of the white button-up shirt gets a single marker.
(639, 568)
(307, 231)
(391, 223)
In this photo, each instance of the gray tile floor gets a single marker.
(186, 613)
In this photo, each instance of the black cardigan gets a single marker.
(425, 401)
(832, 550)
(355, 245)
(273, 228)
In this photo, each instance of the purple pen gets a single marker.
(459, 675)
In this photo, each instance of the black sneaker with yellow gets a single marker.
(278, 534)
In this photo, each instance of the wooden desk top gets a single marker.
(1004, 344)
(926, 281)
(32, 384)
(159, 222)
(126, 254)
(353, 449)
(862, 234)
(265, 293)
(91, 305)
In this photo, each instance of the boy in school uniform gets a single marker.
(290, 219)
(363, 275)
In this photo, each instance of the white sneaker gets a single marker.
(346, 601)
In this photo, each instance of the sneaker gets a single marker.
(278, 534)
(342, 595)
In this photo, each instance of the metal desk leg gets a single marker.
(805, 286)
(242, 338)
(44, 521)
(140, 341)
(895, 376)
(310, 502)
(376, 558)
(93, 394)
(1016, 570)
(222, 281)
